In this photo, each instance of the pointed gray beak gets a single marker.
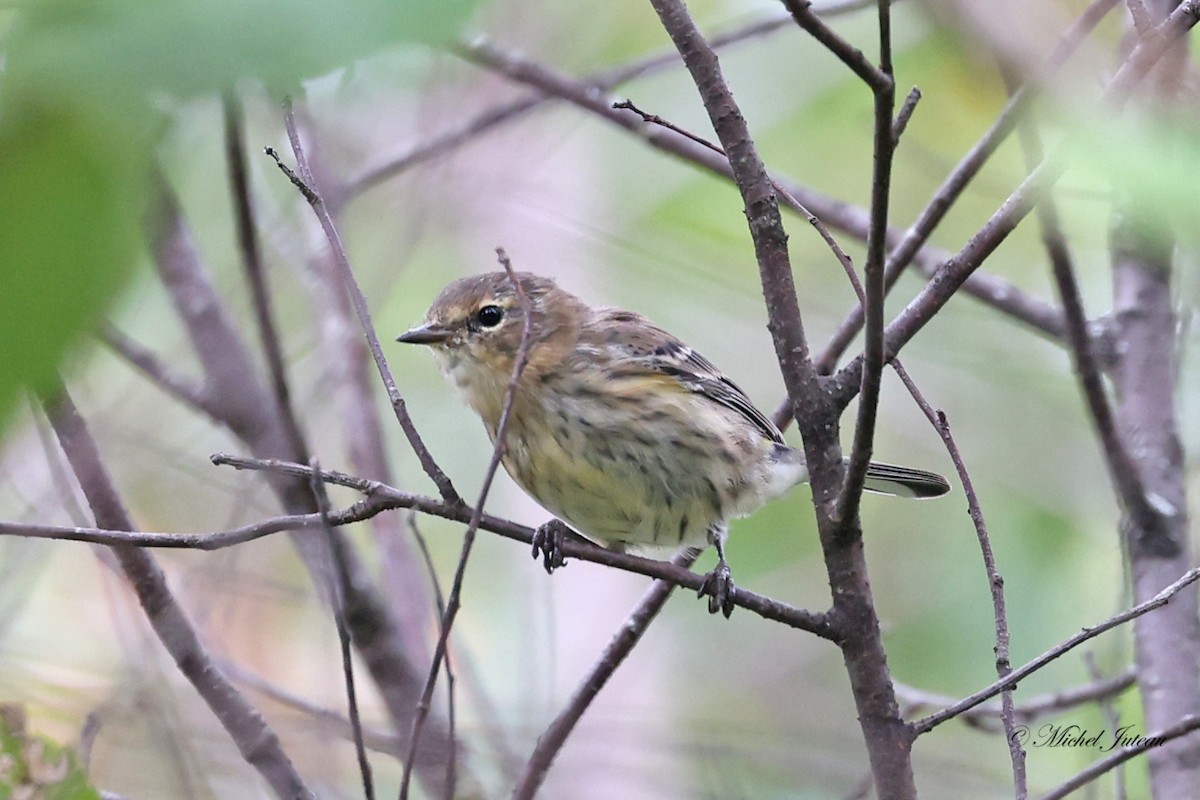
(429, 333)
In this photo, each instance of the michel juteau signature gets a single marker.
(1055, 735)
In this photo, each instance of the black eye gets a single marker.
(489, 316)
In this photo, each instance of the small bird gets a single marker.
(617, 427)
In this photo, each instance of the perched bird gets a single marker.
(617, 427)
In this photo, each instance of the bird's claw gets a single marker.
(547, 543)
(718, 586)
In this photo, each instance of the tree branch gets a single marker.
(628, 635)
(255, 740)
(1161, 599)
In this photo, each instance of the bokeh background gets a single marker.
(704, 708)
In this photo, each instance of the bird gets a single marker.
(618, 428)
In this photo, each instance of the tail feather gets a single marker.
(904, 481)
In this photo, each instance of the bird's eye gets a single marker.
(489, 316)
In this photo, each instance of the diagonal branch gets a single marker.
(946, 282)
(1161, 599)
(256, 741)
(453, 601)
(837, 214)
(628, 635)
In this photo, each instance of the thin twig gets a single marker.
(379, 498)
(1029, 711)
(187, 389)
(1149, 51)
(995, 581)
(786, 196)
(308, 190)
(251, 252)
(338, 593)
(930, 722)
(246, 409)
(498, 451)
(851, 56)
(874, 289)
(1156, 739)
(956, 182)
(905, 114)
(837, 214)
(887, 741)
(628, 635)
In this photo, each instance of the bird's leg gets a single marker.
(547, 543)
(718, 584)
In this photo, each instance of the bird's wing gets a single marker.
(642, 345)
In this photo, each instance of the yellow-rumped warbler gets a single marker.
(617, 427)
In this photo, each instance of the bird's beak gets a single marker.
(430, 333)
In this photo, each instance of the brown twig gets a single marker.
(874, 289)
(789, 200)
(1150, 49)
(246, 408)
(887, 740)
(802, 12)
(836, 214)
(628, 635)
(381, 497)
(341, 580)
(453, 599)
(257, 743)
(1153, 740)
(943, 199)
(306, 188)
(1030, 710)
(930, 722)
(995, 581)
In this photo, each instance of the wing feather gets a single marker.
(643, 345)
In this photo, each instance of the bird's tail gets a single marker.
(904, 481)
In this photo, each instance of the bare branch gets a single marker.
(887, 740)
(874, 289)
(837, 214)
(950, 277)
(306, 188)
(1032, 709)
(628, 635)
(246, 408)
(1148, 742)
(381, 497)
(251, 252)
(255, 740)
(995, 580)
(851, 56)
(498, 451)
(337, 546)
(1161, 599)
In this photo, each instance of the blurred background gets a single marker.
(704, 708)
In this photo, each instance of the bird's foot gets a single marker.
(718, 586)
(547, 543)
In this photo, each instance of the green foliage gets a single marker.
(189, 46)
(83, 88)
(68, 198)
(36, 768)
